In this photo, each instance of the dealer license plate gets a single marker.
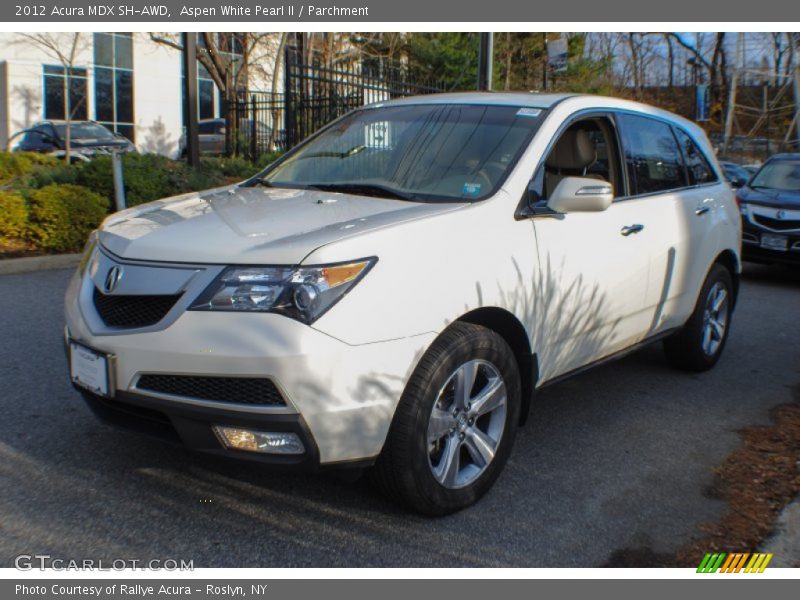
(774, 242)
(89, 369)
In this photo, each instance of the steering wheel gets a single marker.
(491, 173)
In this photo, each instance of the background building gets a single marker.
(130, 82)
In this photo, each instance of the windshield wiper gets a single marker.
(331, 154)
(364, 189)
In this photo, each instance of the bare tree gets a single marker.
(63, 48)
(715, 66)
(670, 62)
(230, 71)
(781, 57)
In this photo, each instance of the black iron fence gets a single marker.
(255, 125)
(313, 95)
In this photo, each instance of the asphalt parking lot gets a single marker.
(619, 457)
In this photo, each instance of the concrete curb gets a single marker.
(785, 540)
(29, 264)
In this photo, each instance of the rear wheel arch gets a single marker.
(509, 327)
(730, 260)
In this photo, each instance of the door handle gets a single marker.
(629, 229)
(704, 207)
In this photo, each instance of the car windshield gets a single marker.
(84, 131)
(425, 152)
(779, 175)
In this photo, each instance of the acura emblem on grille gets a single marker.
(112, 279)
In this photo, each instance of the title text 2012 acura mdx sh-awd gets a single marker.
(392, 291)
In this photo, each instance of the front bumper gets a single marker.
(191, 426)
(753, 252)
(339, 398)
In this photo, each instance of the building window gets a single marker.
(56, 94)
(205, 93)
(229, 46)
(113, 82)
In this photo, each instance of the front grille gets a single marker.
(776, 224)
(132, 311)
(243, 390)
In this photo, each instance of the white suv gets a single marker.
(392, 292)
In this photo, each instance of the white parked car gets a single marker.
(392, 292)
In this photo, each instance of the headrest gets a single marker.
(575, 150)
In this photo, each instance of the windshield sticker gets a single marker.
(472, 189)
(529, 112)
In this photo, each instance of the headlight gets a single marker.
(302, 293)
(88, 250)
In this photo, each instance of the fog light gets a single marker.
(259, 441)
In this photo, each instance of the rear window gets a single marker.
(207, 127)
(652, 157)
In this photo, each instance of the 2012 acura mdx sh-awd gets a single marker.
(391, 292)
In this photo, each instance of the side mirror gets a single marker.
(581, 194)
(738, 182)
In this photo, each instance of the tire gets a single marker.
(422, 444)
(689, 349)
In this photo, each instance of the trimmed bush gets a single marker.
(15, 167)
(59, 173)
(234, 167)
(62, 216)
(13, 217)
(267, 159)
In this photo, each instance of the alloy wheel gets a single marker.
(466, 424)
(715, 318)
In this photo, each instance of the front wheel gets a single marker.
(455, 424)
(699, 343)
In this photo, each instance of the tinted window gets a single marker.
(778, 175)
(55, 92)
(82, 131)
(697, 167)
(103, 50)
(104, 95)
(54, 98)
(113, 74)
(651, 155)
(205, 98)
(207, 127)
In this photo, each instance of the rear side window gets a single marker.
(652, 157)
(697, 167)
(207, 128)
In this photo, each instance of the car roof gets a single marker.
(63, 122)
(527, 99)
(542, 101)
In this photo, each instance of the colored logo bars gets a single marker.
(720, 562)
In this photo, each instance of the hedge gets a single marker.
(49, 205)
(13, 217)
(62, 216)
(16, 167)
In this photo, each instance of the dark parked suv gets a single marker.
(87, 139)
(770, 206)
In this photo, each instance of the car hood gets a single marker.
(252, 225)
(772, 198)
